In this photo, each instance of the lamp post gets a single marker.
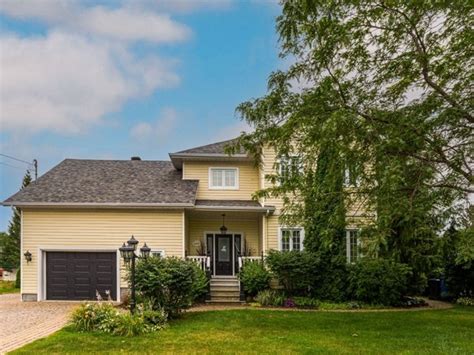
(129, 256)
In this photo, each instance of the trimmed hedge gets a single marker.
(254, 278)
(378, 281)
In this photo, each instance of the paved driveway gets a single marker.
(24, 322)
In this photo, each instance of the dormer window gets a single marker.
(224, 178)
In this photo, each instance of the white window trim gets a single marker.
(348, 244)
(347, 179)
(237, 173)
(280, 230)
(161, 251)
(279, 160)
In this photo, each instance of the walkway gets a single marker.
(24, 322)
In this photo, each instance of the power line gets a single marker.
(20, 160)
(12, 166)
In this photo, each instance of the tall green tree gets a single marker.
(10, 255)
(389, 85)
(324, 211)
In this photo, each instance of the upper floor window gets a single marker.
(224, 178)
(291, 239)
(352, 245)
(288, 166)
(352, 176)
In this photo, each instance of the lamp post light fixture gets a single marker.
(28, 256)
(223, 228)
(127, 252)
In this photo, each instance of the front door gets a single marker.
(224, 254)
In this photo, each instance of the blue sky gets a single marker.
(109, 80)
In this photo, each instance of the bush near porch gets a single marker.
(170, 284)
(309, 278)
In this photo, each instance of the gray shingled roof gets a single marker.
(214, 148)
(109, 182)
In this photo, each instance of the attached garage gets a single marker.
(79, 275)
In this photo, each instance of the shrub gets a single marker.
(465, 301)
(330, 277)
(306, 302)
(254, 278)
(130, 325)
(458, 257)
(18, 279)
(310, 274)
(199, 285)
(95, 316)
(378, 281)
(105, 318)
(269, 297)
(293, 269)
(172, 283)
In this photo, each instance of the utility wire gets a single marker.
(12, 166)
(20, 160)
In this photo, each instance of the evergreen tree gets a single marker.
(10, 256)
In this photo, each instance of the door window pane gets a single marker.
(223, 247)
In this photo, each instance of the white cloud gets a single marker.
(181, 6)
(66, 83)
(160, 129)
(123, 23)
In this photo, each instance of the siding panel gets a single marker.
(97, 229)
(248, 180)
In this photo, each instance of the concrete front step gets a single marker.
(225, 288)
(225, 300)
(232, 293)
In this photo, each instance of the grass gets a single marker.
(266, 331)
(8, 287)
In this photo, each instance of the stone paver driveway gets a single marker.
(24, 322)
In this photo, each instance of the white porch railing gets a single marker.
(249, 259)
(204, 262)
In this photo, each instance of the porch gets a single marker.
(221, 242)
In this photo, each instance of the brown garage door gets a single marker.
(77, 275)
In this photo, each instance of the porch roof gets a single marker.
(232, 205)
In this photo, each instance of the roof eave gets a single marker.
(95, 205)
(178, 158)
(264, 209)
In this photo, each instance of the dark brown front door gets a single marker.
(77, 275)
(224, 254)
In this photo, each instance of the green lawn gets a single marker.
(8, 287)
(266, 331)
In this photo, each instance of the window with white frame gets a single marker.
(291, 239)
(224, 178)
(352, 245)
(352, 176)
(158, 253)
(288, 166)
